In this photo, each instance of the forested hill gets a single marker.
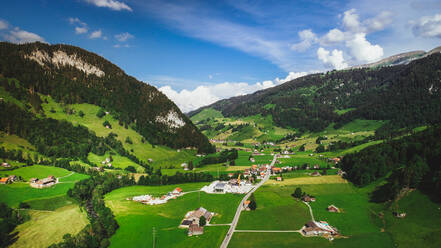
(405, 95)
(73, 75)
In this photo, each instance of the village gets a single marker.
(150, 200)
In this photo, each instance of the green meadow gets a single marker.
(161, 155)
(13, 194)
(137, 221)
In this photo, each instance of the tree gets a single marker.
(302, 148)
(107, 124)
(297, 193)
(128, 140)
(190, 165)
(253, 204)
(100, 113)
(202, 221)
(24, 205)
(130, 168)
(320, 149)
(81, 114)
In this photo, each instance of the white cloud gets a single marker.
(307, 39)
(123, 37)
(291, 76)
(112, 4)
(427, 26)
(3, 24)
(80, 30)
(363, 50)
(350, 20)
(21, 36)
(76, 20)
(334, 59)
(203, 95)
(96, 34)
(119, 46)
(332, 37)
(378, 23)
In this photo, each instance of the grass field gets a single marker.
(161, 155)
(137, 220)
(206, 113)
(48, 227)
(356, 221)
(13, 194)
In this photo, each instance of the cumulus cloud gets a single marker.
(111, 4)
(350, 20)
(307, 38)
(3, 24)
(96, 34)
(123, 37)
(80, 30)
(379, 22)
(332, 37)
(334, 59)
(203, 95)
(76, 20)
(363, 50)
(21, 36)
(427, 26)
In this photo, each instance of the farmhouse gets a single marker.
(195, 229)
(13, 178)
(307, 198)
(177, 191)
(232, 186)
(43, 183)
(316, 174)
(333, 209)
(279, 178)
(4, 180)
(276, 170)
(318, 228)
(150, 200)
(6, 165)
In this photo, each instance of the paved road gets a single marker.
(269, 231)
(239, 208)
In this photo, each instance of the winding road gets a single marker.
(239, 208)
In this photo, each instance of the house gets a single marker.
(230, 174)
(276, 170)
(318, 228)
(308, 198)
(316, 174)
(219, 187)
(316, 166)
(177, 191)
(252, 160)
(333, 209)
(245, 205)
(279, 179)
(6, 165)
(13, 178)
(186, 224)
(195, 229)
(150, 160)
(233, 181)
(184, 165)
(43, 183)
(341, 173)
(399, 215)
(4, 180)
(33, 180)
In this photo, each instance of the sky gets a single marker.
(198, 52)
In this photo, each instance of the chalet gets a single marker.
(4, 180)
(177, 191)
(13, 178)
(43, 183)
(318, 228)
(195, 229)
(276, 170)
(230, 174)
(333, 209)
(308, 198)
(279, 179)
(316, 174)
(6, 165)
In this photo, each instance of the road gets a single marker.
(310, 210)
(239, 208)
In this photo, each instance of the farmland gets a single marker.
(165, 218)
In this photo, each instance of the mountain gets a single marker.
(70, 75)
(402, 58)
(404, 95)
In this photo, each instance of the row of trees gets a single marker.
(224, 156)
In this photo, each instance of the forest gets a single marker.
(133, 102)
(409, 162)
(406, 95)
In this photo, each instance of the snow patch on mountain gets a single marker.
(172, 120)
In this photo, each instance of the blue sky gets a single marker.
(197, 52)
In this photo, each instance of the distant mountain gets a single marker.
(406, 94)
(402, 58)
(73, 75)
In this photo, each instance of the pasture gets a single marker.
(137, 221)
(48, 227)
